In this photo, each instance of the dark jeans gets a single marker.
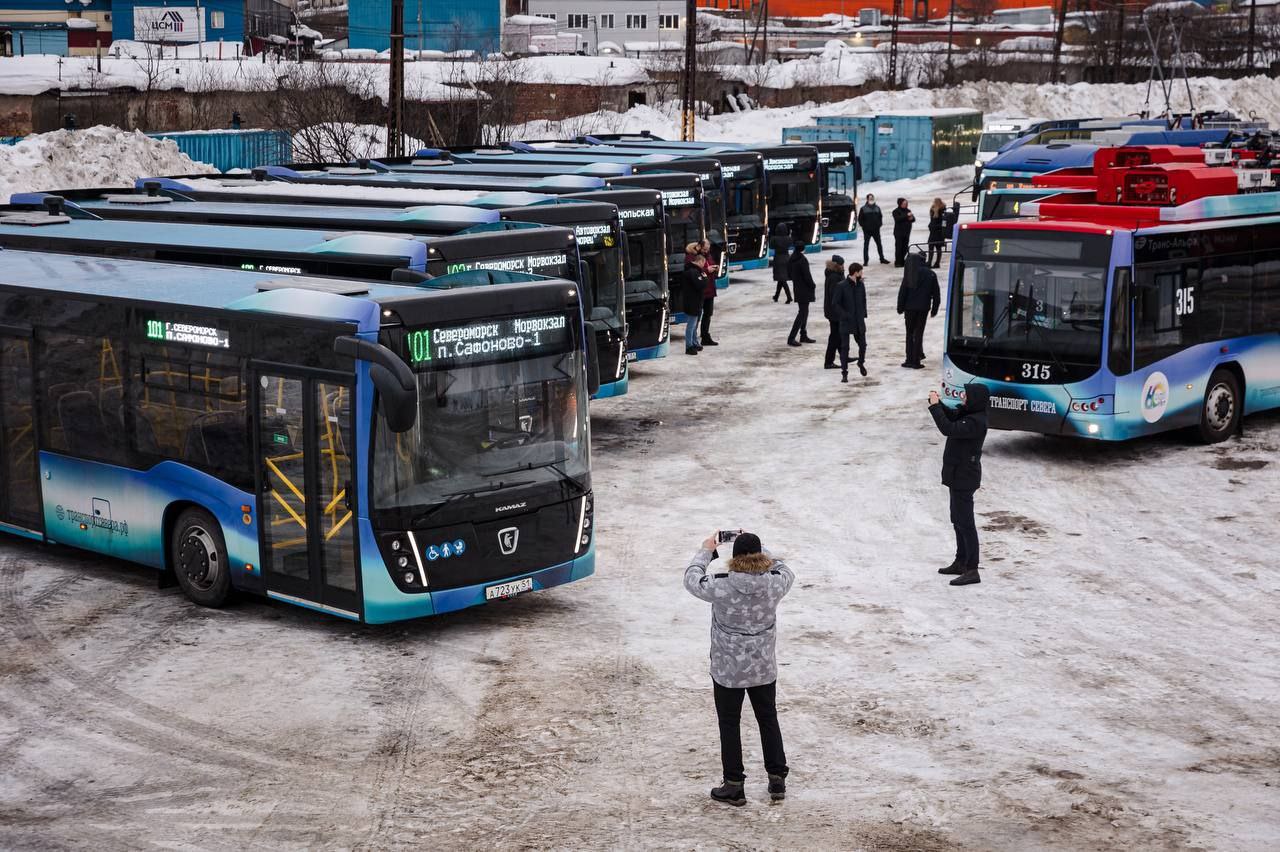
(833, 342)
(708, 308)
(781, 288)
(800, 326)
(729, 713)
(867, 237)
(935, 252)
(916, 321)
(966, 529)
(901, 242)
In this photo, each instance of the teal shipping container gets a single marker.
(234, 149)
(908, 143)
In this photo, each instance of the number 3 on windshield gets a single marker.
(997, 246)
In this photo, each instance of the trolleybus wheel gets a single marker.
(200, 558)
(1221, 411)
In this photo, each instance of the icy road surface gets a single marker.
(1112, 683)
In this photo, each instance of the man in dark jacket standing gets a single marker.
(918, 299)
(966, 429)
(806, 294)
(850, 308)
(903, 219)
(781, 242)
(834, 275)
(871, 220)
(693, 281)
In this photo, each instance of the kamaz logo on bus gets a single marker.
(170, 22)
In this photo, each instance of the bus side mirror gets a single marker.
(397, 387)
(593, 363)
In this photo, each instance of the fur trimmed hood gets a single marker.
(751, 563)
(832, 266)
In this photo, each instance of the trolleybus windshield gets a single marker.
(499, 402)
(1032, 297)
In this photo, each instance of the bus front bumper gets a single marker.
(618, 388)
(649, 353)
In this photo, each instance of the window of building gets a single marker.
(217, 19)
(606, 21)
(550, 16)
(579, 21)
(637, 22)
(668, 22)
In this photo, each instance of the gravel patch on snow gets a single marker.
(95, 156)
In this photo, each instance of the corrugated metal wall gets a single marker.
(242, 149)
(899, 147)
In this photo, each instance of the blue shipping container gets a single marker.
(234, 149)
(903, 145)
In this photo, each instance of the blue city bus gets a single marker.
(746, 193)
(373, 451)
(504, 246)
(640, 213)
(1148, 305)
(794, 195)
(651, 175)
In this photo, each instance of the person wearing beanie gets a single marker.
(744, 600)
(833, 276)
(966, 429)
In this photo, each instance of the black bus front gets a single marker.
(795, 197)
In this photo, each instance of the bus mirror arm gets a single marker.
(397, 387)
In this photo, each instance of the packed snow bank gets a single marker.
(1256, 95)
(96, 156)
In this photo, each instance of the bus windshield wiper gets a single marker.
(466, 492)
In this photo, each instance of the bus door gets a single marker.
(306, 498)
(19, 462)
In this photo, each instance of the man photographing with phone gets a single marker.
(744, 599)
(966, 429)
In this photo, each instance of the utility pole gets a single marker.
(764, 25)
(1120, 41)
(688, 116)
(1253, 24)
(395, 97)
(893, 44)
(951, 34)
(1057, 40)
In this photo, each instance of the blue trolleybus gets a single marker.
(512, 247)
(640, 212)
(374, 451)
(1148, 305)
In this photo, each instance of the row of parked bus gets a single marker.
(357, 387)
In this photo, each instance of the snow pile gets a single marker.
(1258, 96)
(97, 156)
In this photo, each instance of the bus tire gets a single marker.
(198, 553)
(1220, 413)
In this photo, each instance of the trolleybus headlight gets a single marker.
(403, 562)
(395, 544)
(1093, 428)
(409, 578)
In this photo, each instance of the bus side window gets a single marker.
(1222, 298)
(1120, 354)
(1266, 292)
(1163, 308)
(81, 382)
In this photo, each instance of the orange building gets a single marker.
(916, 9)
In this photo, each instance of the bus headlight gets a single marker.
(586, 518)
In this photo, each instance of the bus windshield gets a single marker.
(486, 425)
(645, 256)
(714, 199)
(1032, 296)
(684, 226)
(991, 142)
(604, 275)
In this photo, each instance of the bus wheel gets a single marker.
(199, 556)
(1221, 411)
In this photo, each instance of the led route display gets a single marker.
(488, 340)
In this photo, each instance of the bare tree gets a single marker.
(323, 105)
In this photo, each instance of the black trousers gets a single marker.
(901, 242)
(833, 343)
(966, 529)
(801, 326)
(915, 321)
(935, 252)
(781, 288)
(729, 714)
(867, 237)
(708, 308)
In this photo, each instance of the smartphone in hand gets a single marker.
(726, 536)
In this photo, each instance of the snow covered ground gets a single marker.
(95, 156)
(1112, 683)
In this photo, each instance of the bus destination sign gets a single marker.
(188, 334)
(542, 264)
(488, 340)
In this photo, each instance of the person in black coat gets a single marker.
(693, 287)
(903, 219)
(781, 242)
(966, 429)
(850, 307)
(871, 220)
(806, 294)
(918, 298)
(833, 275)
(939, 229)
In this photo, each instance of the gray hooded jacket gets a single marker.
(743, 620)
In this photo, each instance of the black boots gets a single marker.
(844, 377)
(730, 792)
(829, 367)
(967, 578)
(691, 350)
(807, 339)
(791, 342)
(707, 341)
(777, 788)
(954, 568)
(861, 368)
